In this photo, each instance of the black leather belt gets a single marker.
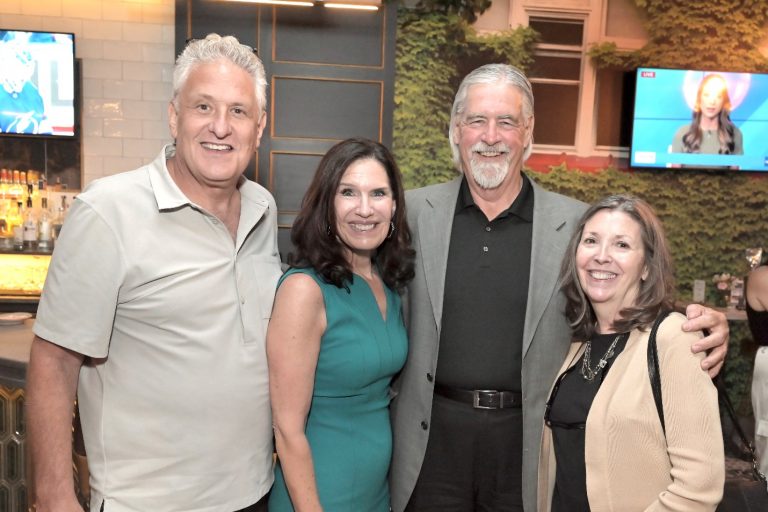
(482, 398)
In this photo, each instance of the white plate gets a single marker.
(13, 318)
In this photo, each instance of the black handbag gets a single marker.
(738, 495)
(742, 495)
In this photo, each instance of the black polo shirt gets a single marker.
(486, 293)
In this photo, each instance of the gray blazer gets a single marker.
(546, 335)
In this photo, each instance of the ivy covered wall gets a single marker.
(710, 217)
(434, 52)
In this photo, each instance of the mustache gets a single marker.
(481, 147)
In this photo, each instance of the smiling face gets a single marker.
(610, 262)
(491, 134)
(364, 207)
(217, 125)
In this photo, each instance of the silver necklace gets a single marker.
(587, 372)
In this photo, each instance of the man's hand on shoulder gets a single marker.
(716, 335)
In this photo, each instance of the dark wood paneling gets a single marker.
(311, 108)
(317, 39)
(197, 18)
(290, 176)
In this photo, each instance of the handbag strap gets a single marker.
(748, 445)
(653, 368)
(655, 377)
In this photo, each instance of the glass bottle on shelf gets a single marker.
(5, 183)
(5, 231)
(44, 226)
(15, 190)
(30, 225)
(58, 219)
(16, 222)
(5, 202)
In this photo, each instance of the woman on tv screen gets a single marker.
(711, 130)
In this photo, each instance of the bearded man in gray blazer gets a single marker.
(467, 424)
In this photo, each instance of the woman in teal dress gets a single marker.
(336, 337)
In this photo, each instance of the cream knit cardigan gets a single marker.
(631, 465)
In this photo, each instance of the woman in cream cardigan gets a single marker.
(603, 447)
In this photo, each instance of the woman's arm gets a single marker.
(691, 414)
(293, 346)
(757, 289)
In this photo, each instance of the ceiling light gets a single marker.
(295, 3)
(367, 7)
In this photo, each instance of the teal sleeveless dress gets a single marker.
(348, 423)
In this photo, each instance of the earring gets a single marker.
(328, 230)
(391, 229)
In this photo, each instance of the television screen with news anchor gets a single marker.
(685, 118)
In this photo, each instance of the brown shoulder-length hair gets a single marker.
(657, 291)
(314, 230)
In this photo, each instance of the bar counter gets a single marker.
(15, 342)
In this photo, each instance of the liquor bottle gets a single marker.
(15, 191)
(16, 221)
(5, 202)
(23, 184)
(5, 183)
(58, 219)
(30, 226)
(5, 231)
(44, 227)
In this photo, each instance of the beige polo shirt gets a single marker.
(174, 399)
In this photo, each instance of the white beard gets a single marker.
(489, 175)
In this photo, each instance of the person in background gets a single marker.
(711, 130)
(604, 445)
(337, 336)
(158, 298)
(757, 315)
(486, 328)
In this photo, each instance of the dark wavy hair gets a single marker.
(657, 291)
(725, 127)
(313, 233)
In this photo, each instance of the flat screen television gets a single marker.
(37, 84)
(685, 118)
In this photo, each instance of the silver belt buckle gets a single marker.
(476, 399)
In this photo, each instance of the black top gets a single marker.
(486, 293)
(570, 402)
(758, 324)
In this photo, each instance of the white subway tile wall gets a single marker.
(127, 54)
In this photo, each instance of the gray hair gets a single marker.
(490, 74)
(213, 48)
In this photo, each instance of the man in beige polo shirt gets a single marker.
(155, 310)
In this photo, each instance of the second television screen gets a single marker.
(686, 118)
